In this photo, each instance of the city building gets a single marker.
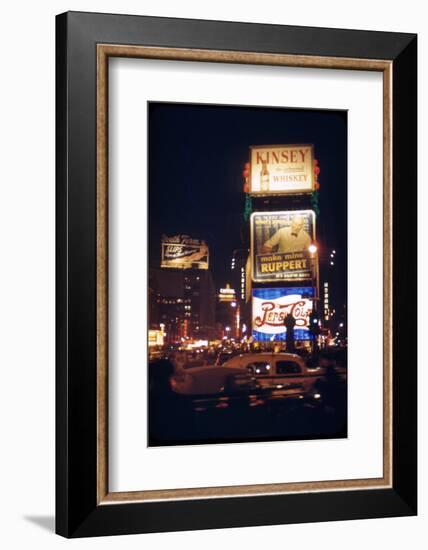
(332, 308)
(183, 300)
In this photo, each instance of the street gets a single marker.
(245, 412)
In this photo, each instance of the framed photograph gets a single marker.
(236, 244)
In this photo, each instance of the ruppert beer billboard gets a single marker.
(183, 252)
(281, 169)
(272, 305)
(279, 245)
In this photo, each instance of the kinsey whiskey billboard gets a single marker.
(280, 244)
(281, 169)
(183, 252)
(271, 307)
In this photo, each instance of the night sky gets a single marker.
(196, 158)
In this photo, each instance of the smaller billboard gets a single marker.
(280, 246)
(271, 307)
(227, 294)
(184, 252)
(281, 169)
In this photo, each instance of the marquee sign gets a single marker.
(227, 294)
(156, 338)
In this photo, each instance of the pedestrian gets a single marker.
(290, 323)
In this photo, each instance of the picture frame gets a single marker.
(84, 44)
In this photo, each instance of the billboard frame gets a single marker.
(86, 505)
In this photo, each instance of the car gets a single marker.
(277, 370)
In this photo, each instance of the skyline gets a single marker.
(196, 158)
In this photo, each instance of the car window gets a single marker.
(259, 368)
(288, 367)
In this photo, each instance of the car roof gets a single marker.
(266, 356)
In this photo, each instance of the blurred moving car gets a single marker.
(269, 376)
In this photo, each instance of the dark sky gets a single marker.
(196, 158)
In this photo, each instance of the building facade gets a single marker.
(184, 302)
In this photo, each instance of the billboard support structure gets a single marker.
(283, 241)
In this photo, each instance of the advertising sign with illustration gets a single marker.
(280, 246)
(281, 169)
(271, 307)
(183, 252)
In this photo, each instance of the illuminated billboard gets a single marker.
(271, 307)
(248, 280)
(183, 252)
(281, 169)
(227, 294)
(156, 338)
(280, 244)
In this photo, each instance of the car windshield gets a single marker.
(223, 357)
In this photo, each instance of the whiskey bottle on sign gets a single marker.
(264, 177)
